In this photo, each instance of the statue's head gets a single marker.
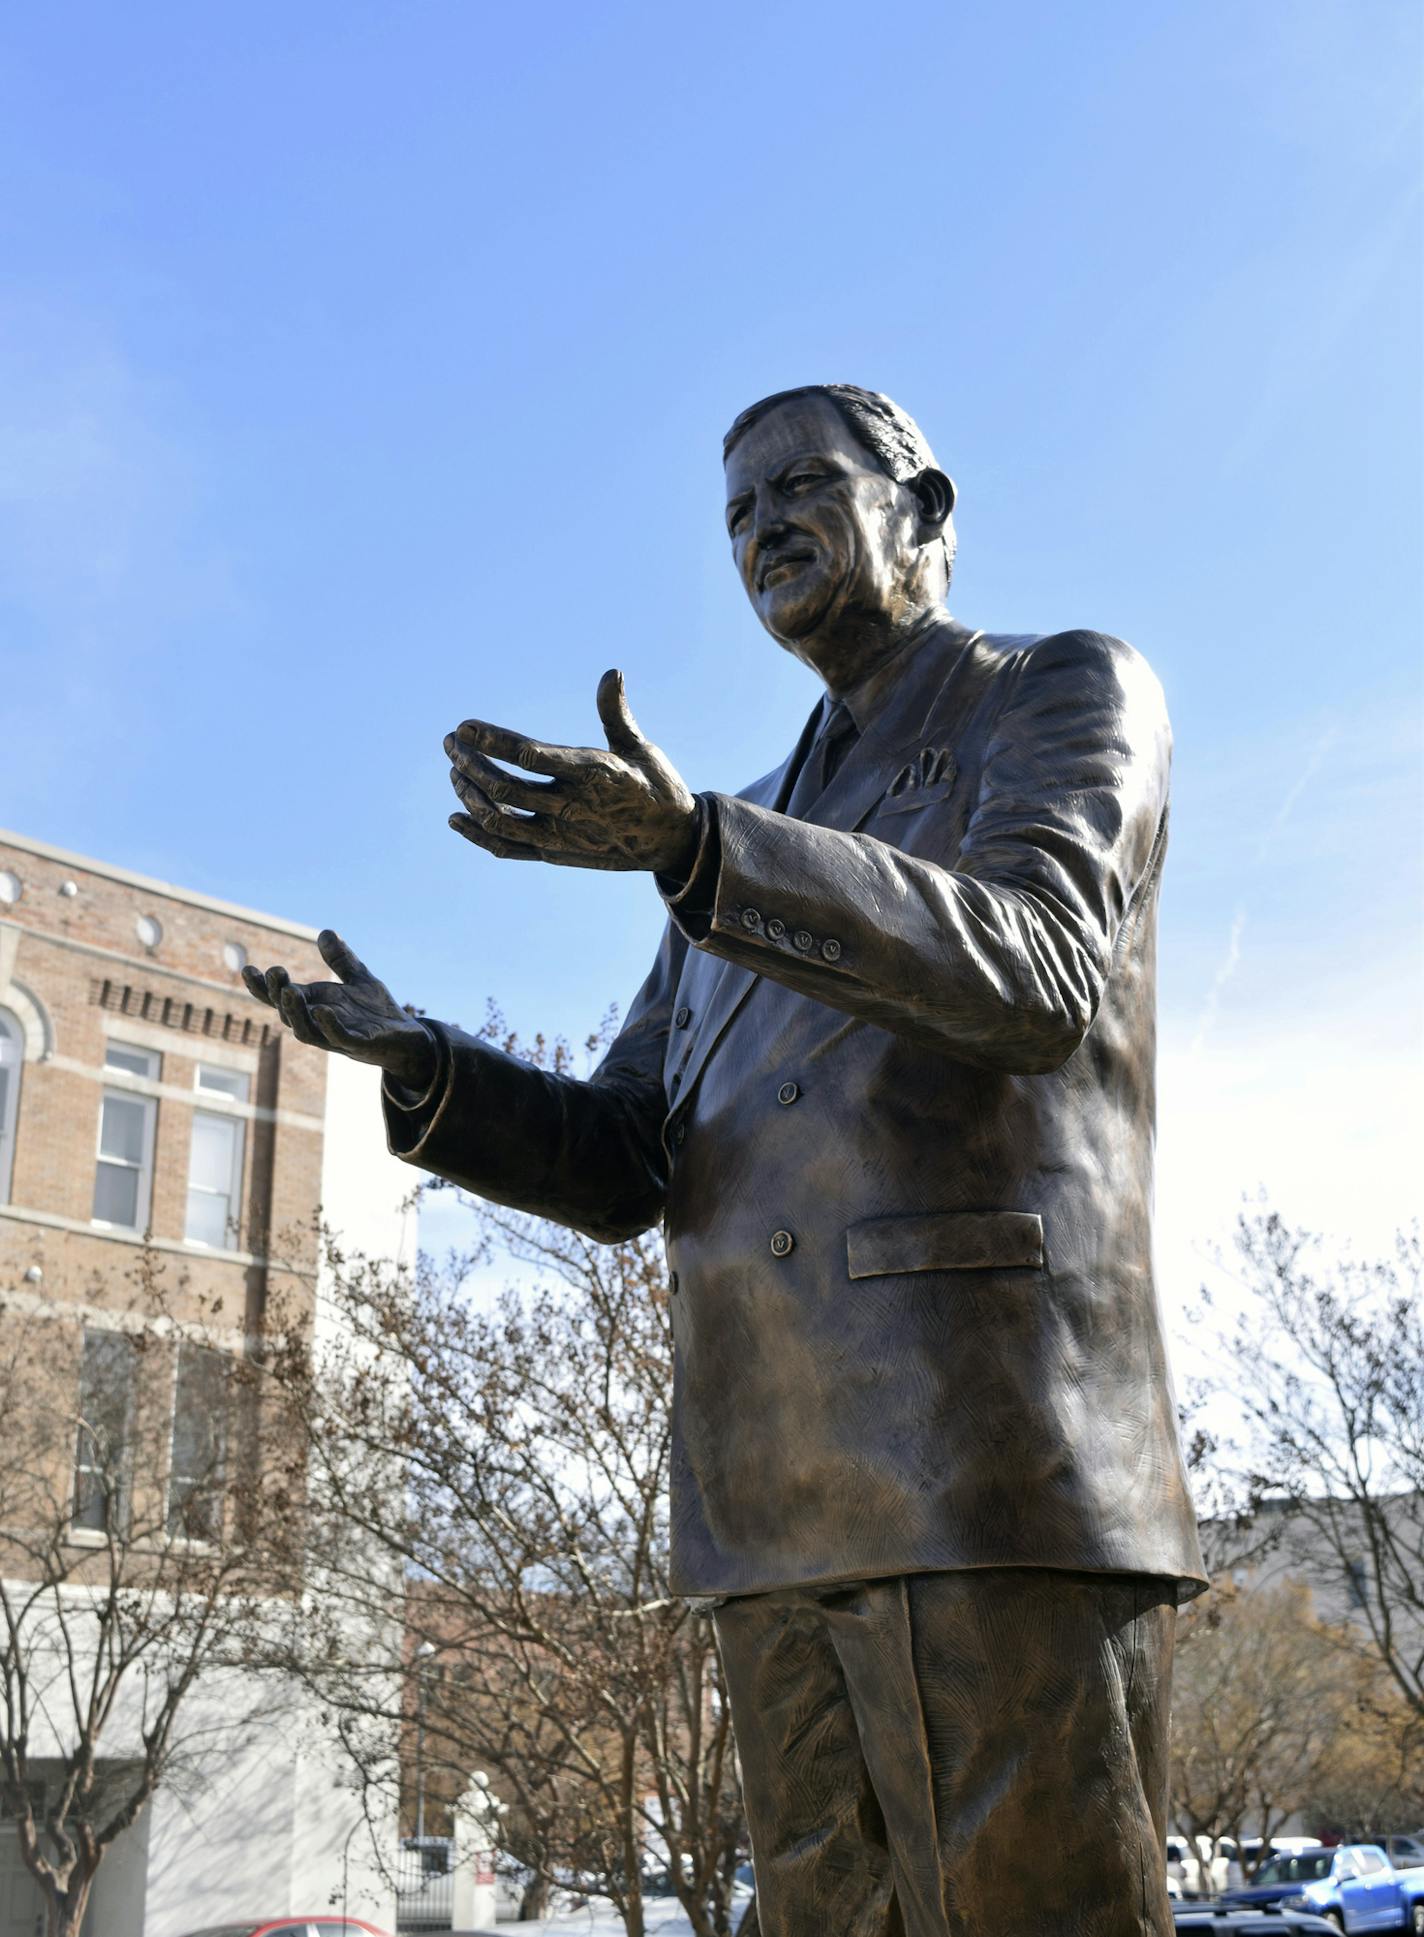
(837, 512)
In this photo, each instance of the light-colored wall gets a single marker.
(259, 1828)
(365, 1192)
(116, 1909)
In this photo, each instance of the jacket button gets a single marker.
(682, 1018)
(803, 939)
(781, 1243)
(672, 1283)
(750, 918)
(831, 950)
(788, 1093)
(776, 928)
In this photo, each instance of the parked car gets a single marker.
(1375, 1896)
(1254, 1852)
(1285, 1875)
(1234, 1921)
(1404, 1852)
(322, 1925)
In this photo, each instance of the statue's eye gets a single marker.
(802, 480)
(736, 519)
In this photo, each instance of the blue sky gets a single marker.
(365, 367)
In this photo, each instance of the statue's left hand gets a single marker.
(624, 808)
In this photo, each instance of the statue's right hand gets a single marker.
(356, 1014)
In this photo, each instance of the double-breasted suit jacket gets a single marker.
(890, 1087)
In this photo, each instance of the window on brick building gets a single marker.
(215, 1163)
(103, 1449)
(123, 1180)
(198, 1468)
(12, 1055)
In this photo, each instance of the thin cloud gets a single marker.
(1315, 759)
(1225, 969)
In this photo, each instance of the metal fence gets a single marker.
(425, 1885)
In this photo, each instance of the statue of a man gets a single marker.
(890, 1088)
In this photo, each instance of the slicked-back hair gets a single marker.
(889, 434)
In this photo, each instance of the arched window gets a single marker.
(12, 1056)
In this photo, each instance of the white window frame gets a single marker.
(232, 1086)
(129, 1086)
(12, 1030)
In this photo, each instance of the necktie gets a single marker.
(837, 736)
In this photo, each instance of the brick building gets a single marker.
(150, 1109)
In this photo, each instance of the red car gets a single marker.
(325, 1925)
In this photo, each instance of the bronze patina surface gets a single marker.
(890, 1088)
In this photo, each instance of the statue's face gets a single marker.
(817, 528)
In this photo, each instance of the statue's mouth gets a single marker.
(783, 566)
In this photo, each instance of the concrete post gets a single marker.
(472, 1857)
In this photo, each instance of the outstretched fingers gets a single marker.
(532, 796)
(519, 751)
(277, 982)
(309, 1022)
(529, 828)
(297, 1015)
(480, 836)
(343, 960)
(255, 983)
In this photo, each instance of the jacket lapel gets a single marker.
(866, 772)
(729, 984)
(877, 756)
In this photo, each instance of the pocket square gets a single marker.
(932, 767)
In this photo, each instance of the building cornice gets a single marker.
(150, 885)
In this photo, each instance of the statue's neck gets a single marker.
(862, 646)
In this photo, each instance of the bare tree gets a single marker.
(1374, 1780)
(543, 1642)
(1263, 1695)
(127, 1575)
(1325, 1362)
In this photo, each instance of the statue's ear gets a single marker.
(935, 493)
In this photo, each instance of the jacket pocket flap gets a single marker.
(953, 1241)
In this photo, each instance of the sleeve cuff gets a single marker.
(690, 902)
(413, 1102)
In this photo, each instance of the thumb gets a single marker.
(618, 723)
(343, 961)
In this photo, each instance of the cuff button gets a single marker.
(803, 939)
(751, 918)
(776, 928)
(831, 950)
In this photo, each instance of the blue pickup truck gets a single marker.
(1355, 1886)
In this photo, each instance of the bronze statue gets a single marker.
(890, 1087)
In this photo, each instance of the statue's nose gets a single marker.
(768, 525)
